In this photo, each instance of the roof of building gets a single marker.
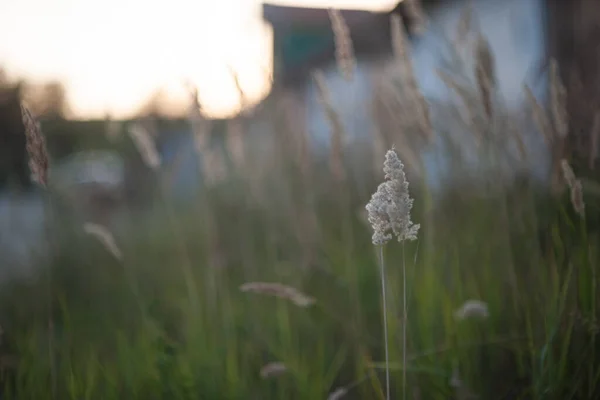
(304, 39)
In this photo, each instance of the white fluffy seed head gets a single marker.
(472, 309)
(338, 394)
(390, 206)
(273, 369)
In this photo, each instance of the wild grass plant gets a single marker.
(269, 287)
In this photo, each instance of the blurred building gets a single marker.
(303, 41)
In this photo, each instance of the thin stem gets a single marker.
(186, 263)
(385, 335)
(49, 223)
(404, 323)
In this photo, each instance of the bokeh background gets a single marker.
(199, 150)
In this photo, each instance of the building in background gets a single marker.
(303, 42)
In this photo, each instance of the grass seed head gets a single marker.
(338, 393)
(106, 238)
(145, 145)
(279, 290)
(36, 147)
(472, 309)
(390, 206)
(344, 52)
(273, 369)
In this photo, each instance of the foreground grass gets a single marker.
(95, 327)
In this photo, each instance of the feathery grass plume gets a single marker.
(577, 198)
(104, 236)
(338, 394)
(344, 53)
(235, 140)
(294, 140)
(390, 206)
(540, 118)
(405, 73)
(517, 135)
(145, 145)
(465, 23)
(273, 369)
(485, 74)
(575, 187)
(389, 214)
(36, 147)
(211, 163)
(395, 122)
(594, 141)
(336, 155)
(200, 125)
(568, 173)
(279, 290)
(414, 11)
(558, 101)
(466, 104)
(472, 309)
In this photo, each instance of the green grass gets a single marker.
(131, 329)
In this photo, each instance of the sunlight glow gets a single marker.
(113, 54)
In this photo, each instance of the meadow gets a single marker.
(268, 286)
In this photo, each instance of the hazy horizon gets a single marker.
(112, 55)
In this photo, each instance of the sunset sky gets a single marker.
(112, 54)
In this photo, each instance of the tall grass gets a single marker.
(267, 287)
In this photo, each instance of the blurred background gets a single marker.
(198, 145)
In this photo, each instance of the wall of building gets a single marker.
(515, 32)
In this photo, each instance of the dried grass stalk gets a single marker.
(414, 11)
(295, 141)
(472, 309)
(575, 187)
(36, 147)
(465, 23)
(540, 118)
(577, 198)
(145, 145)
(238, 85)
(405, 72)
(338, 394)
(336, 155)
(344, 52)
(568, 173)
(106, 238)
(273, 369)
(558, 101)
(200, 125)
(466, 104)
(518, 136)
(485, 74)
(279, 290)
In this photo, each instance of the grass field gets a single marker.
(177, 307)
(169, 321)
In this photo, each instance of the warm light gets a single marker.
(113, 54)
